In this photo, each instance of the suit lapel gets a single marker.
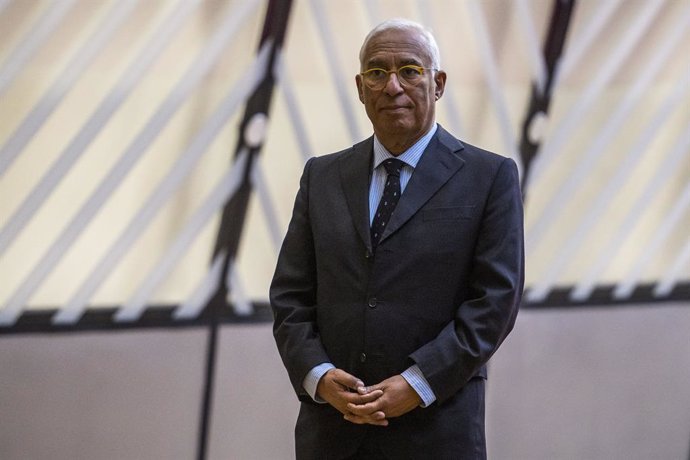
(438, 164)
(355, 171)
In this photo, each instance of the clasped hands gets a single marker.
(372, 405)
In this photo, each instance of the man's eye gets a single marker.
(376, 73)
(410, 72)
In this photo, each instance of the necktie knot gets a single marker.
(393, 166)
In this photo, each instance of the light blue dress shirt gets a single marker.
(413, 375)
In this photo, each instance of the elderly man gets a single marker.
(400, 274)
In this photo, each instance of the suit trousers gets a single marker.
(472, 440)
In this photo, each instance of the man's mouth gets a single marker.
(394, 108)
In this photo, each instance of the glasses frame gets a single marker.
(401, 80)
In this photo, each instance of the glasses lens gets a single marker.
(375, 78)
(410, 75)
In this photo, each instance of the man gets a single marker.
(407, 293)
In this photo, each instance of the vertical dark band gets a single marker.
(235, 211)
(540, 99)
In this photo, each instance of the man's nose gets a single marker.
(393, 85)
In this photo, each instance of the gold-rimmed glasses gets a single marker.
(408, 75)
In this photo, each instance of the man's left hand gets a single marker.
(398, 398)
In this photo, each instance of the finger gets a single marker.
(376, 418)
(347, 380)
(379, 420)
(356, 398)
(364, 390)
(364, 409)
(366, 398)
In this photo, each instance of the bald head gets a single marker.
(426, 39)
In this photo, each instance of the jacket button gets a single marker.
(363, 357)
(367, 255)
(372, 302)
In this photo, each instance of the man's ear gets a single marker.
(440, 80)
(360, 90)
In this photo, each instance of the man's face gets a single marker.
(400, 111)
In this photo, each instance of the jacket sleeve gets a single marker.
(293, 295)
(488, 314)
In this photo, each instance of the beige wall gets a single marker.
(595, 384)
(481, 42)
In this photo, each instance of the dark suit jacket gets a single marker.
(442, 291)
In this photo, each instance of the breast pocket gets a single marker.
(453, 213)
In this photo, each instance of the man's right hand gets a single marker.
(338, 388)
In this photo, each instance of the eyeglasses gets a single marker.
(408, 75)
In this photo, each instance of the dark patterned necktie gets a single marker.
(391, 195)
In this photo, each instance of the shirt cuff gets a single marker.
(311, 381)
(413, 375)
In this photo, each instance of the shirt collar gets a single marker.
(410, 156)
